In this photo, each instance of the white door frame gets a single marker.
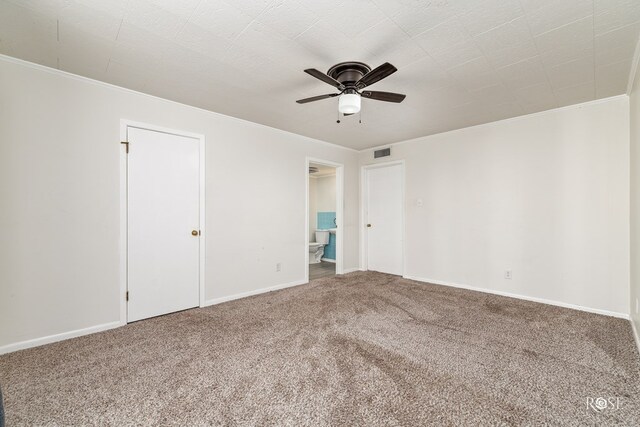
(339, 214)
(364, 204)
(124, 256)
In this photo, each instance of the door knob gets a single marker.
(368, 225)
(194, 232)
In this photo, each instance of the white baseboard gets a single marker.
(523, 297)
(635, 334)
(251, 293)
(328, 260)
(350, 270)
(9, 348)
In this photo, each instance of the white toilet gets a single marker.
(316, 249)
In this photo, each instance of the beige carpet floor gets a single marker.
(361, 349)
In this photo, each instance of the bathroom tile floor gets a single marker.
(322, 269)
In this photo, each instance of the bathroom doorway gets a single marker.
(323, 230)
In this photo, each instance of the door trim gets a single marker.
(124, 256)
(364, 203)
(339, 214)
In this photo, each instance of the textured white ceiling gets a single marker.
(322, 170)
(461, 62)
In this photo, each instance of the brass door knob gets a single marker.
(194, 232)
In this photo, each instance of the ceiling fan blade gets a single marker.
(383, 96)
(316, 98)
(375, 75)
(322, 76)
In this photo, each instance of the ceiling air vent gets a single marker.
(382, 153)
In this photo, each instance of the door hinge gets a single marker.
(127, 296)
(126, 143)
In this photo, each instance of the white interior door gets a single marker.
(163, 216)
(384, 203)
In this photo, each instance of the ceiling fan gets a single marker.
(350, 78)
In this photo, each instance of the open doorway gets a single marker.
(324, 213)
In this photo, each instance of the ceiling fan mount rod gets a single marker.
(350, 90)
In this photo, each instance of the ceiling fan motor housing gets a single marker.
(348, 73)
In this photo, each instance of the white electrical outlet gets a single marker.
(278, 266)
(507, 274)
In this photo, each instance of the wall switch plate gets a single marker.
(278, 266)
(507, 274)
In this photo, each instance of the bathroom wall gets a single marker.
(313, 188)
(326, 194)
(322, 210)
(326, 221)
(322, 198)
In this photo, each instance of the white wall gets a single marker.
(635, 201)
(59, 187)
(326, 194)
(545, 195)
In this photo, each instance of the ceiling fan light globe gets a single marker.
(349, 103)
